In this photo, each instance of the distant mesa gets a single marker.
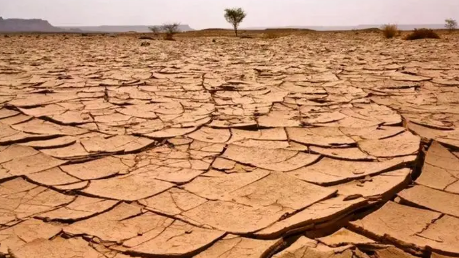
(27, 25)
(38, 25)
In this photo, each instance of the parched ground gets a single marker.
(325, 145)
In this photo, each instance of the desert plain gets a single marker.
(338, 144)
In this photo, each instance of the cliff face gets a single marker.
(38, 25)
(118, 29)
(26, 25)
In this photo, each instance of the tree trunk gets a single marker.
(235, 29)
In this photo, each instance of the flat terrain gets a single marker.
(314, 145)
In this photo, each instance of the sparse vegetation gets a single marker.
(422, 34)
(450, 24)
(262, 33)
(156, 30)
(390, 31)
(235, 16)
(169, 30)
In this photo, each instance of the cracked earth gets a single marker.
(326, 145)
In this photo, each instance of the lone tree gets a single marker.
(235, 16)
(450, 24)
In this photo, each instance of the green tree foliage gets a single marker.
(235, 16)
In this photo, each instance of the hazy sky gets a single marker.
(201, 14)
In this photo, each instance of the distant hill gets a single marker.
(118, 29)
(26, 25)
(406, 26)
(38, 25)
(358, 27)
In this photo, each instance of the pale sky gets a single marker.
(200, 14)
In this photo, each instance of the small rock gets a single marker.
(366, 179)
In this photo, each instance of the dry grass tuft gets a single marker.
(389, 31)
(422, 34)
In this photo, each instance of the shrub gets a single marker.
(389, 31)
(170, 30)
(422, 34)
(235, 16)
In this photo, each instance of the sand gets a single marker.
(319, 145)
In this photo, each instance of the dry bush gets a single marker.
(170, 30)
(389, 31)
(422, 34)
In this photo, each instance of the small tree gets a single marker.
(450, 24)
(170, 30)
(235, 16)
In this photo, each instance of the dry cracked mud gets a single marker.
(324, 145)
